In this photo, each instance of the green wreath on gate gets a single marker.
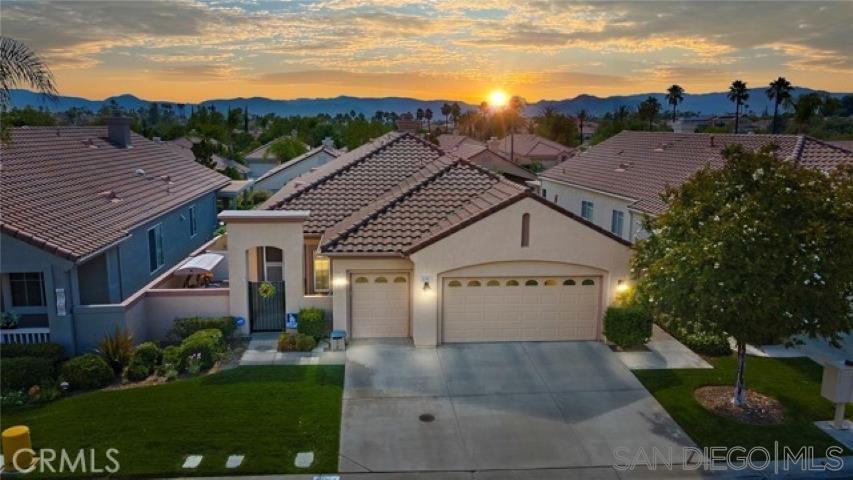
(266, 290)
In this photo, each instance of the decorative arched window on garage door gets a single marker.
(588, 282)
(400, 280)
(361, 280)
(569, 282)
(474, 283)
(531, 283)
(493, 283)
(380, 280)
(512, 283)
(454, 283)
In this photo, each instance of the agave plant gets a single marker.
(117, 349)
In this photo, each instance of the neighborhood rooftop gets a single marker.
(639, 165)
(293, 161)
(71, 191)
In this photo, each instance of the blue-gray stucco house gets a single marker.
(90, 216)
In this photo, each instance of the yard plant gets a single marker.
(87, 372)
(627, 326)
(758, 249)
(312, 321)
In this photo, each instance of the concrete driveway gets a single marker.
(496, 406)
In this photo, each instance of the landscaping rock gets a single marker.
(304, 459)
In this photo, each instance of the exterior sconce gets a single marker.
(427, 286)
(621, 286)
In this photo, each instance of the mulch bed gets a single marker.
(759, 409)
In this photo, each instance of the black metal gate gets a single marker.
(266, 313)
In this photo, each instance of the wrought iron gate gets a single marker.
(266, 314)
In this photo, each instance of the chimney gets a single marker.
(118, 131)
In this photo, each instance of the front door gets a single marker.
(266, 306)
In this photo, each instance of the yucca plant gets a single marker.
(117, 349)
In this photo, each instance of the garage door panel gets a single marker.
(380, 305)
(519, 309)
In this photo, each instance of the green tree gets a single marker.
(581, 120)
(428, 117)
(739, 94)
(649, 110)
(674, 96)
(556, 126)
(420, 116)
(455, 112)
(29, 116)
(286, 148)
(446, 110)
(779, 92)
(758, 249)
(806, 108)
(203, 152)
(19, 67)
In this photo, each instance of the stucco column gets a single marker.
(248, 229)
(425, 307)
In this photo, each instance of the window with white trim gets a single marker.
(27, 289)
(586, 210)
(273, 262)
(156, 258)
(193, 221)
(617, 222)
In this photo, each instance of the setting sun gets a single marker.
(498, 99)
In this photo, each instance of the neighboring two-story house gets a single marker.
(529, 149)
(615, 183)
(278, 176)
(91, 215)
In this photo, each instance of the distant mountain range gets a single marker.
(703, 103)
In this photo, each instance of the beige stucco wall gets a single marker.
(570, 198)
(567, 246)
(344, 267)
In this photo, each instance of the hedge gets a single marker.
(627, 326)
(289, 342)
(184, 327)
(312, 321)
(145, 358)
(24, 372)
(53, 351)
(208, 343)
(87, 372)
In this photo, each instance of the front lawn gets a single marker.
(267, 413)
(795, 382)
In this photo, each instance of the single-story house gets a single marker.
(527, 149)
(615, 183)
(278, 176)
(90, 216)
(260, 161)
(396, 238)
(183, 146)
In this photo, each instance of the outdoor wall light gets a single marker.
(622, 286)
(427, 287)
(339, 282)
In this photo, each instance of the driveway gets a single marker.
(496, 406)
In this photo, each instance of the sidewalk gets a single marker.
(665, 352)
(263, 350)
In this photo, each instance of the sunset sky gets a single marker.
(440, 49)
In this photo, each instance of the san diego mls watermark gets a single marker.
(778, 459)
(81, 461)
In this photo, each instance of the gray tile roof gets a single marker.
(71, 192)
(640, 165)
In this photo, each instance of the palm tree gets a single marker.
(674, 95)
(738, 93)
(649, 110)
(420, 116)
(446, 110)
(582, 115)
(20, 66)
(484, 108)
(428, 116)
(455, 112)
(780, 92)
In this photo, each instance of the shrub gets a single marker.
(149, 354)
(87, 372)
(53, 351)
(138, 371)
(184, 327)
(117, 349)
(312, 321)
(171, 359)
(627, 326)
(706, 343)
(296, 342)
(24, 372)
(13, 398)
(208, 343)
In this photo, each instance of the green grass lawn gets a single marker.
(268, 413)
(795, 382)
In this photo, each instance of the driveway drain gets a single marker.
(426, 417)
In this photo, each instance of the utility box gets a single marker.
(337, 340)
(837, 385)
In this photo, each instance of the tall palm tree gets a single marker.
(780, 92)
(428, 116)
(20, 66)
(455, 112)
(420, 116)
(446, 109)
(739, 94)
(674, 96)
(582, 115)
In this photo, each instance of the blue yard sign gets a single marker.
(292, 320)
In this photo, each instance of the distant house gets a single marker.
(693, 124)
(478, 154)
(589, 129)
(260, 161)
(527, 149)
(449, 141)
(91, 215)
(615, 183)
(278, 176)
(183, 146)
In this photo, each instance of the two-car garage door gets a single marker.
(482, 309)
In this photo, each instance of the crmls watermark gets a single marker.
(778, 459)
(64, 461)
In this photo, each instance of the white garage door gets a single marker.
(380, 305)
(482, 309)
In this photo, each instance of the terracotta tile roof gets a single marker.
(305, 156)
(443, 194)
(71, 192)
(529, 145)
(491, 160)
(639, 165)
(449, 141)
(845, 144)
(354, 179)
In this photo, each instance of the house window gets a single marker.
(544, 193)
(586, 210)
(155, 248)
(617, 222)
(322, 271)
(525, 230)
(193, 222)
(27, 289)
(556, 198)
(273, 263)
